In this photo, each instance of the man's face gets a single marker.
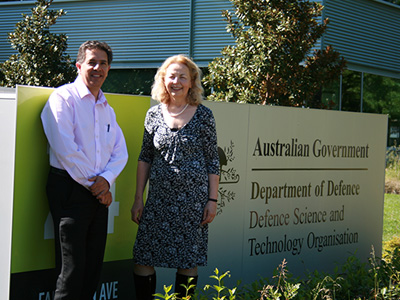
(94, 69)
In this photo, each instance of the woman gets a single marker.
(179, 157)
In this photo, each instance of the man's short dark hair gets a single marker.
(90, 45)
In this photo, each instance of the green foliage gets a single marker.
(219, 291)
(358, 280)
(222, 292)
(375, 279)
(129, 81)
(392, 246)
(353, 280)
(251, 291)
(283, 287)
(381, 95)
(40, 60)
(393, 162)
(272, 60)
(166, 295)
(319, 285)
(391, 221)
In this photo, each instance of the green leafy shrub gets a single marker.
(40, 60)
(272, 61)
(376, 279)
(390, 247)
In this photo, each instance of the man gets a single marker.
(87, 153)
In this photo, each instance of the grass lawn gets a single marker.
(391, 217)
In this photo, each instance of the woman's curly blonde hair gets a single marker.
(159, 91)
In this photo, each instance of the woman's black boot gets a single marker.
(145, 286)
(180, 290)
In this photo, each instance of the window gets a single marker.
(129, 81)
(370, 93)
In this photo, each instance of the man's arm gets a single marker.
(118, 158)
(57, 119)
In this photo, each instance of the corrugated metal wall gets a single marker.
(144, 32)
(366, 33)
(209, 34)
(141, 33)
(138, 31)
(9, 15)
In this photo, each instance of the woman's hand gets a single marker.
(209, 212)
(137, 210)
(142, 175)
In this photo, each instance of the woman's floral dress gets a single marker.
(169, 233)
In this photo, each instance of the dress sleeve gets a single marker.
(210, 146)
(147, 151)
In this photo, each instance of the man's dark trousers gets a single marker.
(80, 230)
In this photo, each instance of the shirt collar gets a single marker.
(83, 91)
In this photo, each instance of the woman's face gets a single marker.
(178, 81)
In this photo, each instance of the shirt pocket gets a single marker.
(109, 136)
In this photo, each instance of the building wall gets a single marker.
(366, 33)
(144, 32)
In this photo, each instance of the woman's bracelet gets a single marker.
(211, 199)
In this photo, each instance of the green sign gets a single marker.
(32, 242)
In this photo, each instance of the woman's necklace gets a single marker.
(177, 114)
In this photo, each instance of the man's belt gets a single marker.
(59, 172)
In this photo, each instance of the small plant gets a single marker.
(326, 289)
(387, 272)
(220, 288)
(188, 288)
(282, 288)
(222, 292)
(378, 279)
(174, 296)
(250, 291)
(166, 295)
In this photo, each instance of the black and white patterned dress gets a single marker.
(169, 233)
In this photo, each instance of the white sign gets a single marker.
(298, 184)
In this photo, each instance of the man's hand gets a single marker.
(99, 187)
(101, 190)
(105, 199)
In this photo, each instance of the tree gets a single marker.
(40, 60)
(272, 61)
(382, 95)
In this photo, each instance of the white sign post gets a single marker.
(7, 150)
